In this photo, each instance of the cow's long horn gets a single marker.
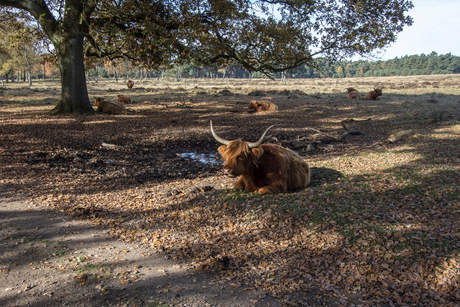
(218, 138)
(252, 145)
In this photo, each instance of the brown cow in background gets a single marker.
(108, 107)
(266, 168)
(374, 95)
(260, 106)
(124, 99)
(353, 94)
(130, 84)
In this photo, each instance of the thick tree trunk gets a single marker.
(74, 93)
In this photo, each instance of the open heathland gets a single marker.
(378, 226)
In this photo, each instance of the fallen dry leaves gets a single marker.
(379, 225)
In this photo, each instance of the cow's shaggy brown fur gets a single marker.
(130, 84)
(124, 99)
(261, 106)
(374, 95)
(265, 169)
(353, 94)
(108, 107)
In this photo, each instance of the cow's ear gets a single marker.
(257, 152)
(222, 149)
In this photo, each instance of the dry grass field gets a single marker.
(378, 226)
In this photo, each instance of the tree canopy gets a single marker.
(266, 36)
(19, 44)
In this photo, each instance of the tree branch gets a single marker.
(39, 10)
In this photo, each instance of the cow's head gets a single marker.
(240, 156)
(98, 101)
(350, 89)
(253, 105)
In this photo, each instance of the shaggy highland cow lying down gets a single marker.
(260, 106)
(374, 95)
(109, 107)
(353, 94)
(124, 99)
(266, 168)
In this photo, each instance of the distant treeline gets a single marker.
(430, 64)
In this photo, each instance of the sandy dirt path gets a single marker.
(49, 259)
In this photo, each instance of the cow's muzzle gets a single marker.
(228, 172)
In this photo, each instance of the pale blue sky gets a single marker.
(436, 28)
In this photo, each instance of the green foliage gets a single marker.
(424, 65)
(262, 36)
(101, 72)
(20, 44)
(404, 66)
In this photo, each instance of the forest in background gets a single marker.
(431, 64)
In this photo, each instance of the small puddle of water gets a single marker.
(202, 158)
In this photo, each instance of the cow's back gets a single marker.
(287, 163)
(299, 172)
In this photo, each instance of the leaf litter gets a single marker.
(378, 226)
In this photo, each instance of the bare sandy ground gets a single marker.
(49, 259)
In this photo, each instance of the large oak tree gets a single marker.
(267, 36)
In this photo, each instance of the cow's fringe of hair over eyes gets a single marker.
(236, 148)
(239, 147)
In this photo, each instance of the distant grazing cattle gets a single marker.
(374, 95)
(266, 168)
(353, 94)
(108, 107)
(124, 99)
(130, 84)
(261, 106)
